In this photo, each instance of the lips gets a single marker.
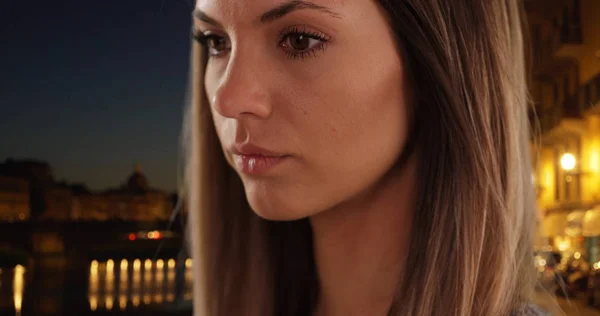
(256, 164)
(252, 159)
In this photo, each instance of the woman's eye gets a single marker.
(217, 45)
(297, 43)
(300, 42)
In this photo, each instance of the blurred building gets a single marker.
(39, 177)
(28, 186)
(58, 202)
(90, 207)
(47, 199)
(14, 199)
(137, 200)
(565, 38)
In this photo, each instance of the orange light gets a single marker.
(132, 236)
(154, 235)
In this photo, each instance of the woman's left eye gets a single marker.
(301, 44)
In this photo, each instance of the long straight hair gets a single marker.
(471, 246)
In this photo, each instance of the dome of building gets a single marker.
(137, 182)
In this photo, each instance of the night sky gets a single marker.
(94, 87)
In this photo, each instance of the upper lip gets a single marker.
(248, 149)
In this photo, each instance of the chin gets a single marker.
(274, 211)
(278, 206)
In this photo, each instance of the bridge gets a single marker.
(88, 239)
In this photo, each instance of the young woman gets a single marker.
(360, 158)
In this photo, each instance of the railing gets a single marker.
(590, 92)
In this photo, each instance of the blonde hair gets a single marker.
(471, 248)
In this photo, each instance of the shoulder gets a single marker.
(529, 310)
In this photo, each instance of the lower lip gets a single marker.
(257, 164)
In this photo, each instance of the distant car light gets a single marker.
(154, 235)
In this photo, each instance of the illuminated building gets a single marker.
(28, 187)
(136, 200)
(565, 39)
(14, 199)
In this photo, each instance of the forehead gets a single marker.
(239, 9)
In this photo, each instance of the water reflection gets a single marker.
(117, 286)
(18, 288)
(12, 290)
(127, 285)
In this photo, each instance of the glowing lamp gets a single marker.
(567, 162)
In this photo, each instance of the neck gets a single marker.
(360, 247)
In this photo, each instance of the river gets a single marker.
(112, 286)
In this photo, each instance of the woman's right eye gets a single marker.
(216, 44)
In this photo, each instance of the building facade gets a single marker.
(28, 187)
(565, 87)
(14, 199)
(135, 200)
(37, 174)
(566, 90)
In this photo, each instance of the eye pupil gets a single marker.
(299, 41)
(217, 43)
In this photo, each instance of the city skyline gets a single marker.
(121, 177)
(94, 88)
(135, 168)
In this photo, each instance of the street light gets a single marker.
(567, 162)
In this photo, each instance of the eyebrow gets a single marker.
(275, 13)
(200, 15)
(291, 6)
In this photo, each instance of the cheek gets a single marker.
(223, 125)
(346, 151)
(354, 131)
(368, 136)
(362, 121)
(225, 129)
(210, 81)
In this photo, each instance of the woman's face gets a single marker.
(307, 98)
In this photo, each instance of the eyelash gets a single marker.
(203, 38)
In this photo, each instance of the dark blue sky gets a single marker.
(94, 86)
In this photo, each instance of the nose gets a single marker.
(242, 90)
